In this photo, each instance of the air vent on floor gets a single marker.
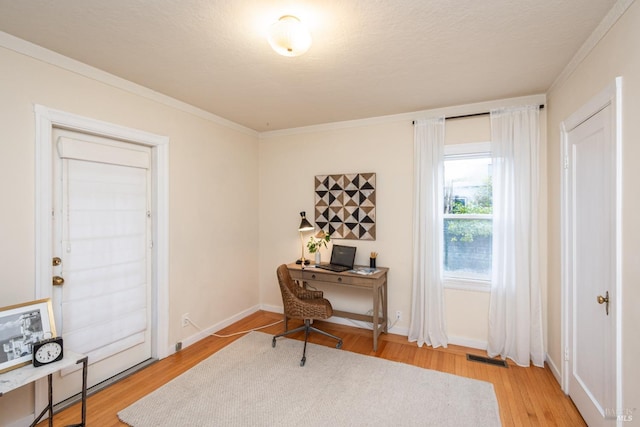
(487, 360)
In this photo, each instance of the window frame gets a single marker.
(471, 150)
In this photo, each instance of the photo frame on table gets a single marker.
(21, 326)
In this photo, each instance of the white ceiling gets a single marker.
(369, 58)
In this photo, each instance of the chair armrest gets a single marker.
(307, 293)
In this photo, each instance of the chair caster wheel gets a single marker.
(339, 345)
(304, 359)
(273, 342)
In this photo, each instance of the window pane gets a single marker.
(467, 248)
(468, 186)
(468, 204)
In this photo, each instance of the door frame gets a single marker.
(46, 120)
(610, 96)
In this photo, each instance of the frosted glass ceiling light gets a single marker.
(289, 36)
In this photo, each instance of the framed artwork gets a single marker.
(21, 326)
(346, 205)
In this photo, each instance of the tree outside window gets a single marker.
(468, 224)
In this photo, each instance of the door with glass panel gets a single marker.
(102, 237)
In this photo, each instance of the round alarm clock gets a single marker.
(47, 351)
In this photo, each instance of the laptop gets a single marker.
(342, 258)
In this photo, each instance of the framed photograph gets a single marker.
(21, 326)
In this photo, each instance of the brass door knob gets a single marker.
(604, 299)
(58, 281)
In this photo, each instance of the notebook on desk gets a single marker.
(342, 258)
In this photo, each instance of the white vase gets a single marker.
(318, 257)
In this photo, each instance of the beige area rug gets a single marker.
(249, 383)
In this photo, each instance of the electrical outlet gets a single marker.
(184, 321)
(398, 315)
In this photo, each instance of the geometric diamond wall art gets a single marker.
(346, 205)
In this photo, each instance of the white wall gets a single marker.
(288, 164)
(213, 200)
(617, 54)
(289, 160)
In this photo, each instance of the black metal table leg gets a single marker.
(49, 407)
(50, 383)
(83, 423)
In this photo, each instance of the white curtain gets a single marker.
(427, 311)
(515, 313)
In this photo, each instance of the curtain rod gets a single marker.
(464, 116)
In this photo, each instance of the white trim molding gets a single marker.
(610, 96)
(618, 9)
(46, 120)
(50, 57)
(205, 332)
(458, 110)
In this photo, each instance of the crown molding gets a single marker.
(618, 9)
(479, 107)
(53, 58)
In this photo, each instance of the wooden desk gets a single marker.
(27, 374)
(376, 283)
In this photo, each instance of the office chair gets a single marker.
(303, 304)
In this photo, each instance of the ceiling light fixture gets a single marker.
(289, 36)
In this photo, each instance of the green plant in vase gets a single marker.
(316, 243)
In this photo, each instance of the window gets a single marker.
(468, 223)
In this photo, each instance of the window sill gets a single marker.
(467, 284)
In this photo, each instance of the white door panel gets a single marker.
(102, 230)
(592, 249)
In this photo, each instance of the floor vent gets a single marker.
(487, 360)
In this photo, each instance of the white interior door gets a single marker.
(591, 220)
(102, 234)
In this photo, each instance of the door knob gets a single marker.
(603, 300)
(58, 281)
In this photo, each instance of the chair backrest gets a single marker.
(301, 303)
(289, 298)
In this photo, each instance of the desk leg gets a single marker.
(385, 312)
(379, 301)
(376, 316)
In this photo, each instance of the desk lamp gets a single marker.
(304, 226)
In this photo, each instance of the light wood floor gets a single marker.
(526, 396)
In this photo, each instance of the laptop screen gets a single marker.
(343, 255)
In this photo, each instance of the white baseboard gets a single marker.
(468, 342)
(462, 341)
(554, 369)
(342, 321)
(186, 342)
(272, 308)
(203, 333)
(24, 421)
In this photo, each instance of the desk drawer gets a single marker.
(328, 277)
